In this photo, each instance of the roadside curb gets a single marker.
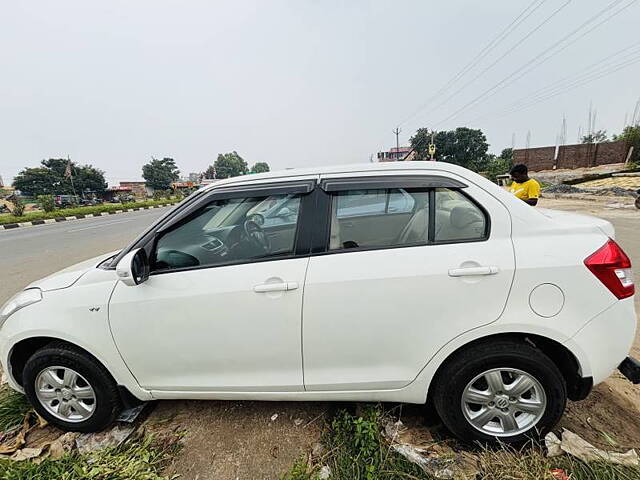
(11, 226)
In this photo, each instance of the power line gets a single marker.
(597, 65)
(572, 86)
(528, 66)
(592, 71)
(482, 54)
(490, 66)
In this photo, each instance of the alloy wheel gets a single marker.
(503, 402)
(65, 394)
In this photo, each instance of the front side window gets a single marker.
(231, 231)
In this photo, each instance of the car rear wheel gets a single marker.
(70, 389)
(503, 391)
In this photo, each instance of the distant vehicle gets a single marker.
(90, 201)
(66, 200)
(400, 282)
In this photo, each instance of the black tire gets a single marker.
(107, 399)
(452, 379)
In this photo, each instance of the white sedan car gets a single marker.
(406, 282)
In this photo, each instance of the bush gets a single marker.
(18, 206)
(68, 212)
(498, 166)
(46, 202)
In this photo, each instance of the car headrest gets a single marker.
(461, 217)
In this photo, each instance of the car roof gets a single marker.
(364, 168)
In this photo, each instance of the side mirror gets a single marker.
(133, 269)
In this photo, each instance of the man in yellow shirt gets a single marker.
(523, 187)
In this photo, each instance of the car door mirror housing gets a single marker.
(133, 268)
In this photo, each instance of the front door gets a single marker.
(387, 295)
(221, 310)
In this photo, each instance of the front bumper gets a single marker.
(630, 368)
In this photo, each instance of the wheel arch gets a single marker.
(578, 387)
(23, 349)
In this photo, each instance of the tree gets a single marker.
(631, 135)
(230, 165)
(210, 172)
(499, 165)
(159, 174)
(598, 136)
(260, 167)
(462, 146)
(51, 179)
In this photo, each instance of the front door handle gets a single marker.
(473, 271)
(275, 287)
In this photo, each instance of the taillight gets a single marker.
(613, 268)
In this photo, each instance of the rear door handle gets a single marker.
(473, 271)
(275, 287)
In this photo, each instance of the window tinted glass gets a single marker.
(232, 230)
(378, 218)
(457, 217)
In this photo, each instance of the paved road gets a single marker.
(30, 253)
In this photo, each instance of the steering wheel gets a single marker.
(255, 234)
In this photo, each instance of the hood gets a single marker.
(569, 218)
(70, 275)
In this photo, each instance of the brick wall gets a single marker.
(572, 156)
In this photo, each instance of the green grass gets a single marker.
(136, 459)
(13, 408)
(529, 463)
(356, 451)
(69, 212)
(140, 458)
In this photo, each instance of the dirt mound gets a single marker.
(562, 188)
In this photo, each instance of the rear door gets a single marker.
(383, 297)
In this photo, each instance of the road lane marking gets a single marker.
(99, 225)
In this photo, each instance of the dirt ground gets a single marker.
(240, 440)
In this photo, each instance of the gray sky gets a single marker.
(293, 83)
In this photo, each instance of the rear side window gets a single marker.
(457, 218)
(380, 218)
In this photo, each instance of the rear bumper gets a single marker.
(630, 368)
(604, 342)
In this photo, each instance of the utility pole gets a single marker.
(432, 147)
(69, 172)
(397, 131)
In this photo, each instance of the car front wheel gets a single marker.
(70, 389)
(503, 391)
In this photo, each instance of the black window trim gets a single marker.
(302, 236)
(241, 191)
(376, 183)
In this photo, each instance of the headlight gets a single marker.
(18, 301)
